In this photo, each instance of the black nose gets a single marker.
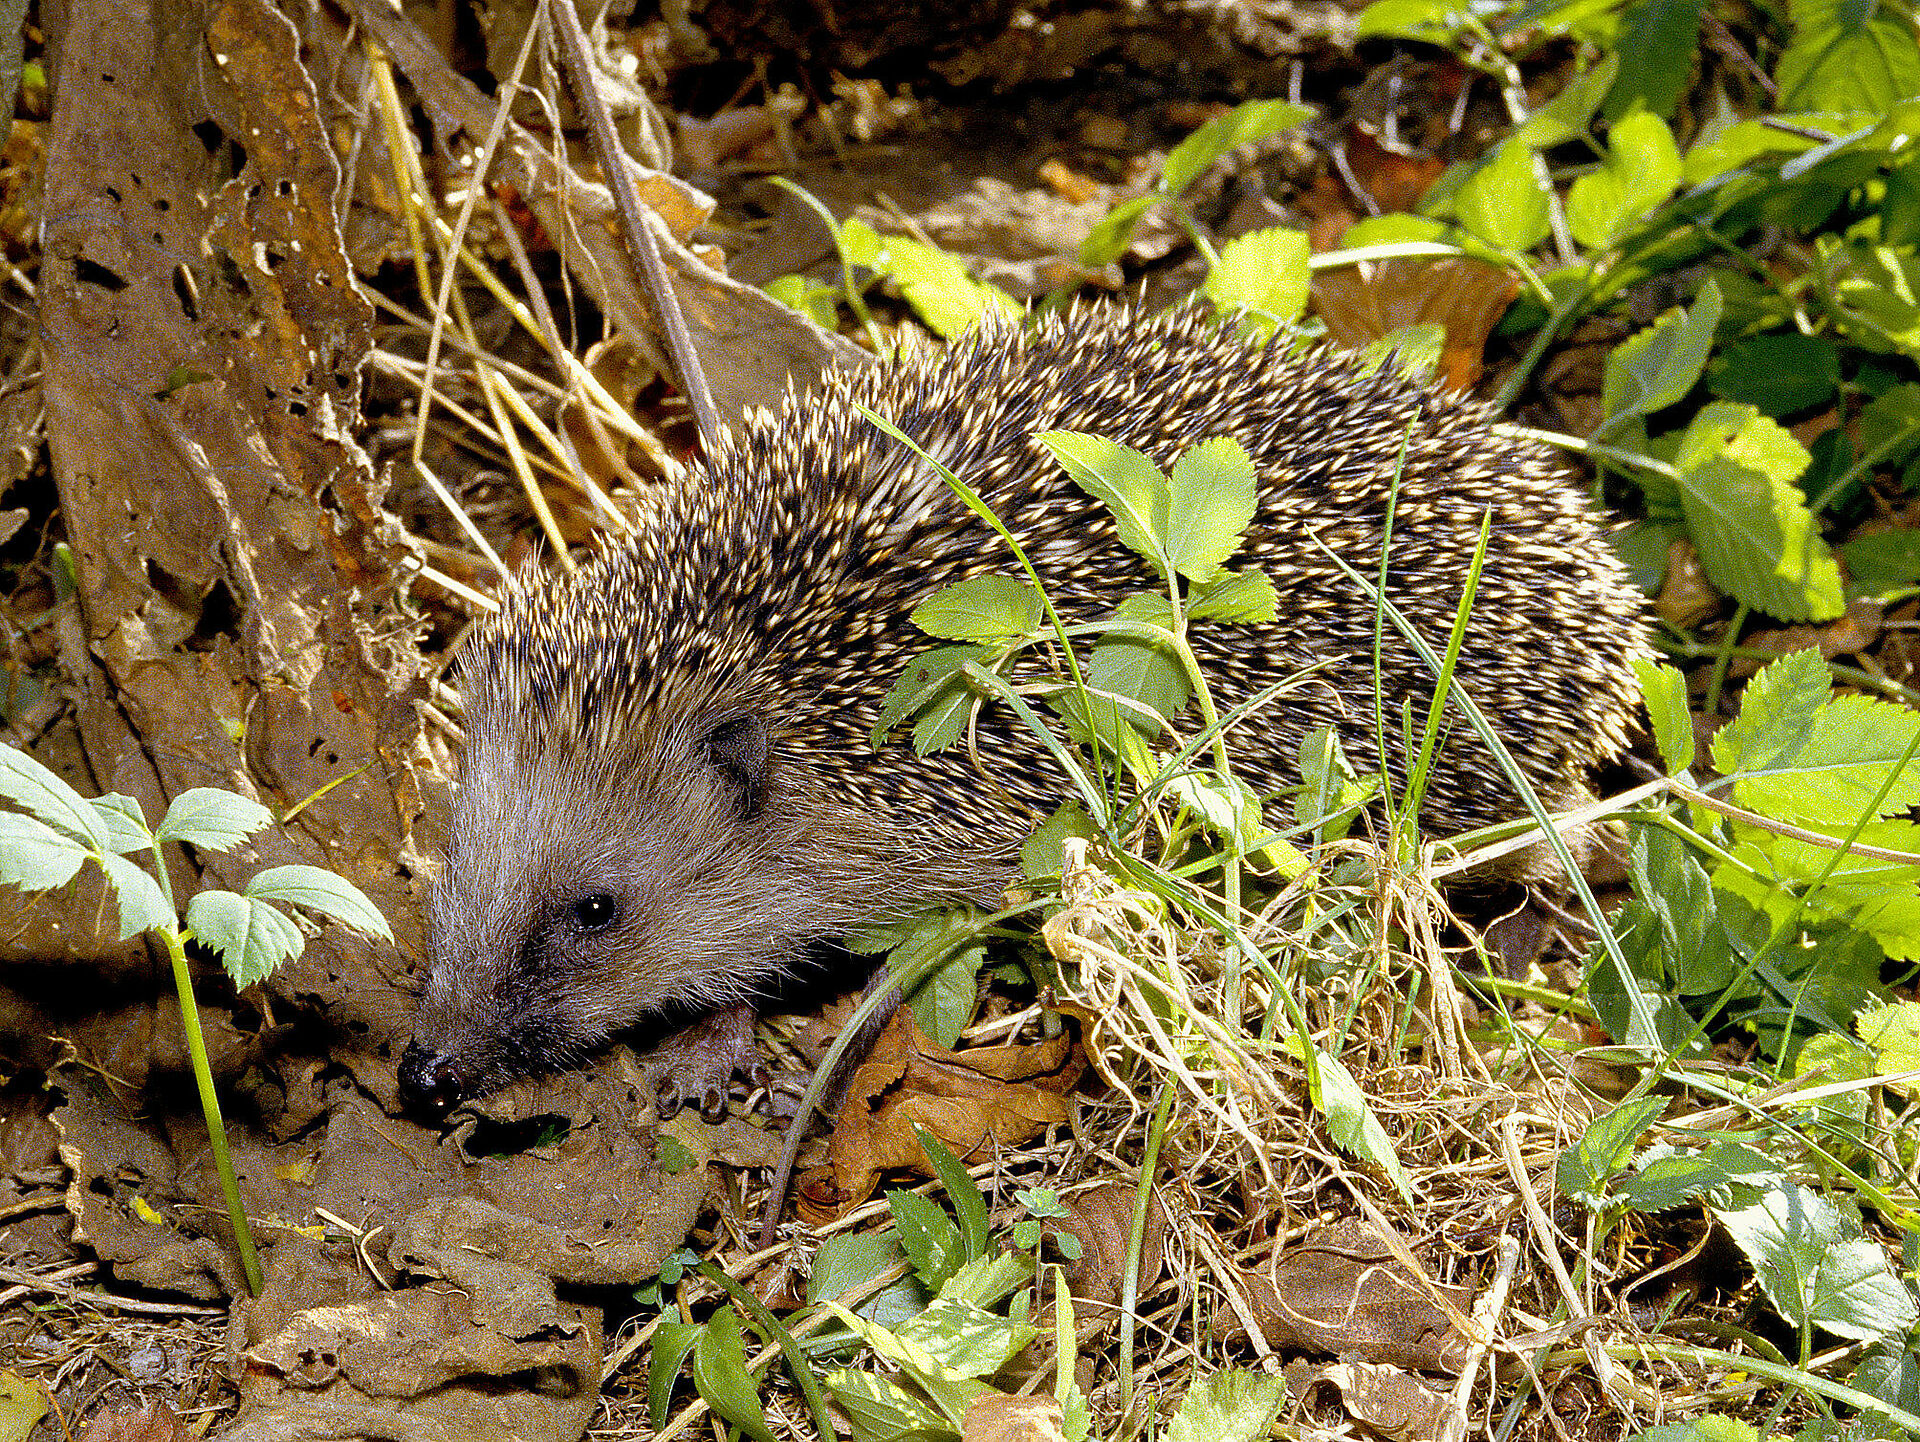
(429, 1082)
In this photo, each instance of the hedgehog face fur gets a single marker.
(669, 791)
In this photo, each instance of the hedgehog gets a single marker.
(669, 790)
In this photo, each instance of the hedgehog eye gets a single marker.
(594, 913)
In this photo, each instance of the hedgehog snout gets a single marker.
(430, 1081)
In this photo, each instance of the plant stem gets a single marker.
(210, 1106)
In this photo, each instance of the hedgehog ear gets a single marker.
(737, 748)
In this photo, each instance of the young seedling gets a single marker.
(57, 831)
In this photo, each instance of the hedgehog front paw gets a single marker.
(696, 1066)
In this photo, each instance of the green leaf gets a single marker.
(320, 890)
(1234, 596)
(250, 937)
(1604, 1150)
(672, 1341)
(1109, 239)
(1697, 949)
(925, 677)
(967, 1339)
(1264, 273)
(125, 822)
(211, 819)
(1655, 367)
(1641, 169)
(143, 905)
(883, 1411)
(1873, 293)
(1502, 202)
(1669, 1177)
(1567, 114)
(937, 285)
(1890, 426)
(1041, 853)
(37, 790)
(1665, 690)
(945, 716)
(1139, 670)
(856, 1260)
(1245, 123)
(989, 1280)
(1657, 41)
(1757, 539)
(1777, 713)
(1847, 55)
(1350, 1119)
(1126, 482)
(1210, 504)
(1801, 755)
(1780, 374)
(943, 1003)
(983, 609)
(1882, 562)
(34, 856)
(1230, 1406)
(969, 1207)
(928, 1236)
(720, 1376)
(1816, 1267)
(818, 303)
(1434, 21)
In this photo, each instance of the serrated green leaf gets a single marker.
(1641, 169)
(1604, 1150)
(1777, 713)
(1670, 1177)
(981, 609)
(1697, 949)
(1756, 538)
(1126, 482)
(1350, 1119)
(926, 675)
(950, 1390)
(1816, 1267)
(1210, 503)
(944, 716)
(1843, 763)
(34, 856)
(721, 1378)
(1245, 123)
(856, 1260)
(213, 819)
(320, 890)
(1878, 897)
(928, 1236)
(1264, 273)
(1847, 55)
(125, 822)
(942, 1004)
(143, 905)
(250, 937)
(1567, 114)
(1502, 202)
(672, 1342)
(38, 791)
(1657, 41)
(883, 1411)
(987, 1281)
(967, 1339)
(1230, 1406)
(1655, 367)
(1665, 690)
(1242, 597)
